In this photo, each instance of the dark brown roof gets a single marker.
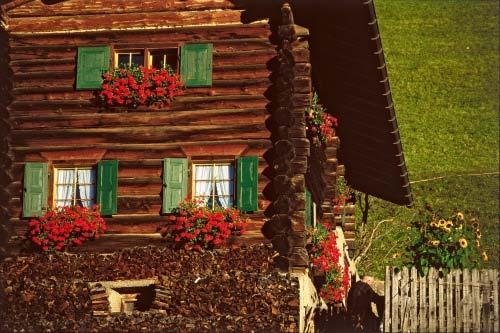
(351, 74)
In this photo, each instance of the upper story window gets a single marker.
(164, 58)
(149, 58)
(192, 61)
(75, 187)
(214, 184)
(129, 58)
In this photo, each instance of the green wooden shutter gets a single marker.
(196, 65)
(246, 182)
(175, 182)
(309, 209)
(92, 62)
(35, 189)
(107, 185)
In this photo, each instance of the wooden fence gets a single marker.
(461, 301)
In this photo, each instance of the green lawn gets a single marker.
(443, 61)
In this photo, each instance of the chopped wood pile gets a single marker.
(221, 290)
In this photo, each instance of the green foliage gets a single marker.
(443, 65)
(445, 244)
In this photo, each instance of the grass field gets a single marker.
(443, 61)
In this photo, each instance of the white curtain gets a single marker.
(203, 182)
(224, 185)
(86, 190)
(65, 187)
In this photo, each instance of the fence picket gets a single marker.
(494, 281)
(404, 315)
(413, 300)
(466, 299)
(422, 304)
(387, 295)
(485, 298)
(461, 301)
(458, 300)
(450, 322)
(395, 301)
(441, 309)
(476, 301)
(432, 299)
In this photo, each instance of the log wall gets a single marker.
(52, 122)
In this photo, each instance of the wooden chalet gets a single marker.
(248, 74)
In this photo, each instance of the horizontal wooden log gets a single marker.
(154, 35)
(68, 8)
(174, 118)
(139, 134)
(130, 21)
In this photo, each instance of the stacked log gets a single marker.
(5, 153)
(286, 227)
(223, 290)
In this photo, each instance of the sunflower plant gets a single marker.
(446, 244)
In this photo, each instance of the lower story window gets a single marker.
(213, 184)
(75, 187)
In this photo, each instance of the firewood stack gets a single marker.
(221, 290)
(100, 302)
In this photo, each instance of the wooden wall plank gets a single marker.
(466, 310)
(486, 290)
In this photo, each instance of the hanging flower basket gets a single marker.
(135, 86)
(320, 124)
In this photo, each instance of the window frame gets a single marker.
(148, 55)
(192, 169)
(54, 183)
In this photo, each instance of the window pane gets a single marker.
(161, 57)
(65, 187)
(123, 59)
(138, 59)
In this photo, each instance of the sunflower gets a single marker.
(478, 243)
(478, 233)
(460, 216)
(475, 225)
(441, 223)
(448, 226)
(434, 243)
(463, 243)
(433, 224)
(485, 256)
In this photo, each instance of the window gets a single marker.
(82, 186)
(164, 58)
(129, 58)
(75, 187)
(214, 184)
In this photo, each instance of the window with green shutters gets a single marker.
(175, 180)
(107, 184)
(35, 188)
(196, 65)
(92, 62)
(246, 183)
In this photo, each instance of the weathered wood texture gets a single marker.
(52, 122)
(291, 148)
(460, 301)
